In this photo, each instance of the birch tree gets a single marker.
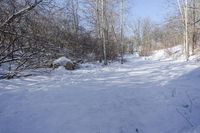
(187, 52)
(194, 36)
(103, 5)
(183, 8)
(122, 31)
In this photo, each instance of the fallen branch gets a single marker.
(14, 75)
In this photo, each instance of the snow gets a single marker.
(145, 96)
(62, 61)
(173, 54)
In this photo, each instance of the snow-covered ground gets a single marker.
(140, 96)
(173, 53)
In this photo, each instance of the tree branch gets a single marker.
(20, 13)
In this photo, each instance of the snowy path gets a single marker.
(139, 96)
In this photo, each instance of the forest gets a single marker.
(35, 32)
(94, 66)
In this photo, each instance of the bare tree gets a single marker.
(186, 31)
(103, 4)
(122, 31)
(21, 12)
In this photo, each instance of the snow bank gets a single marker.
(174, 53)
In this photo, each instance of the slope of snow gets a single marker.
(174, 53)
(140, 96)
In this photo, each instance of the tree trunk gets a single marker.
(104, 32)
(122, 32)
(194, 27)
(187, 52)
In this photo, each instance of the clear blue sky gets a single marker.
(154, 9)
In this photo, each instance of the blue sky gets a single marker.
(154, 9)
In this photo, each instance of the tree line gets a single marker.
(180, 27)
(35, 32)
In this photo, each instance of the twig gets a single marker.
(15, 59)
(3, 58)
(191, 102)
(20, 13)
(190, 123)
